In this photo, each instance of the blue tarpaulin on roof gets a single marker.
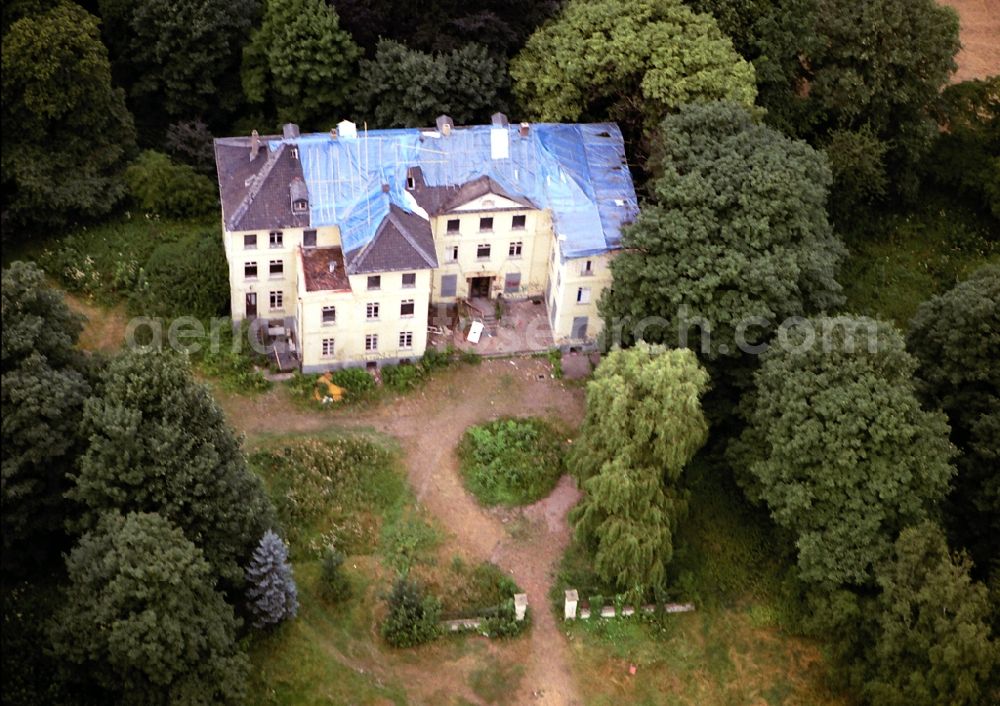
(578, 171)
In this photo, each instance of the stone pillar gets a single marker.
(572, 598)
(520, 605)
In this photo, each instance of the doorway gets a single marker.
(480, 287)
(251, 305)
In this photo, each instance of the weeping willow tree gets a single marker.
(644, 423)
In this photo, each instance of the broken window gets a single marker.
(583, 295)
(250, 242)
(449, 284)
(277, 238)
(277, 268)
(250, 270)
(486, 223)
(515, 249)
(409, 279)
(512, 283)
(517, 222)
(329, 314)
(374, 282)
(483, 251)
(452, 253)
(309, 238)
(454, 225)
(406, 307)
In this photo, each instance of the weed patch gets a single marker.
(511, 461)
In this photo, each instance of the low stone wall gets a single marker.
(572, 610)
(461, 624)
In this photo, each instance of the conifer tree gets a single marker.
(271, 591)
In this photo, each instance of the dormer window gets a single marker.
(410, 183)
(295, 153)
(300, 206)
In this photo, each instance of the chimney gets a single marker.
(254, 145)
(499, 120)
(347, 129)
(289, 131)
(444, 125)
(385, 188)
(333, 133)
(525, 128)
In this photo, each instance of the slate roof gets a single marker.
(403, 241)
(436, 200)
(256, 194)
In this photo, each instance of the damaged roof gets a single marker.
(357, 180)
(257, 194)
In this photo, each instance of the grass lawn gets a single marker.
(347, 489)
(907, 258)
(731, 562)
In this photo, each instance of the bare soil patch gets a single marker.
(980, 35)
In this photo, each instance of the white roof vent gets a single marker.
(444, 125)
(332, 266)
(347, 129)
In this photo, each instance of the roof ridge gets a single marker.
(403, 230)
(258, 182)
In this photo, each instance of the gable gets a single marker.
(487, 202)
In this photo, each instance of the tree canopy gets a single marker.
(932, 634)
(736, 232)
(403, 87)
(628, 61)
(955, 338)
(142, 619)
(838, 446)
(301, 62)
(45, 383)
(66, 131)
(445, 25)
(160, 443)
(644, 423)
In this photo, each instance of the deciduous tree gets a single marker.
(403, 87)
(628, 61)
(955, 338)
(159, 443)
(734, 240)
(644, 423)
(932, 634)
(142, 618)
(301, 62)
(45, 383)
(66, 131)
(838, 446)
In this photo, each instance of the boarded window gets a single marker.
(309, 238)
(375, 282)
(579, 329)
(449, 284)
(583, 295)
(512, 283)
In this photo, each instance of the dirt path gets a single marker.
(428, 425)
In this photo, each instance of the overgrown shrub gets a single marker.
(356, 381)
(333, 584)
(413, 615)
(225, 354)
(159, 186)
(184, 278)
(555, 359)
(434, 359)
(511, 461)
(402, 378)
